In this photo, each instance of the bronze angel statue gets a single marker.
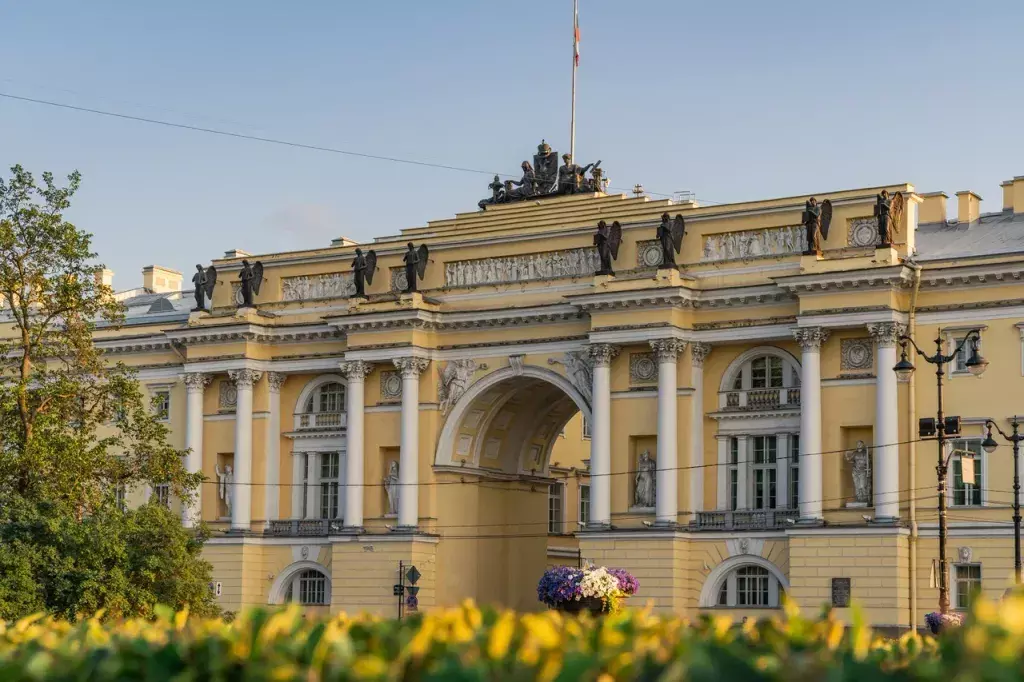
(415, 266)
(817, 218)
(204, 281)
(363, 268)
(670, 237)
(251, 277)
(889, 212)
(607, 240)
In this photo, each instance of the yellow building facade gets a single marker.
(707, 428)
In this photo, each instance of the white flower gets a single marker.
(598, 583)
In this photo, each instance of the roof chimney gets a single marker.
(1007, 195)
(160, 280)
(933, 208)
(104, 277)
(236, 253)
(1018, 194)
(968, 207)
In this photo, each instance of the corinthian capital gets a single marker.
(811, 338)
(886, 333)
(356, 370)
(411, 367)
(602, 353)
(699, 351)
(667, 349)
(244, 378)
(275, 380)
(196, 381)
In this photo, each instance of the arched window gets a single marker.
(309, 588)
(329, 397)
(749, 587)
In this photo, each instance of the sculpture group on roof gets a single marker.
(545, 178)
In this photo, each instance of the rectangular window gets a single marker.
(959, 364)
(751, 586)
(162, 494)
(162, 405)
(966, 584)
(120, 493)
(556, 496)
(734, 472)
(967, 494)
(794, 471)
(329, 472)
(765, 471)
(766, 372)
(586, 428)
(305, 484)
(584, 504)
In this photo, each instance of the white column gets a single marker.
(298, 474)
(698, 351)
(743, 457)
(886, 464)
(272, 439)
(409, 457)
(810, 340)
(241, 496)
(601, 355)
(666, 490)
(195, 385)
(312, 485)
(356, 371)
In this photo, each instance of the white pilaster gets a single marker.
(601, 355)
(241, 506)
(312, 485)
(698, 352)
(409, 458)
(743, 459)
(356, 371)
(298, 474)
(810, 340)
(272, 439)
(195, 385)
(666, 489)
(886, 464)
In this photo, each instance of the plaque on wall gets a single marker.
(841, 592)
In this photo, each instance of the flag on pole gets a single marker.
(576, 36)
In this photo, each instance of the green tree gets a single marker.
(73, 426)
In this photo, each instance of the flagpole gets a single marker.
(575, 61)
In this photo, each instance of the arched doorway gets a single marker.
(512, 457)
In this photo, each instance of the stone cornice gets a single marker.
(992, 274)
(889, 277)
(454, 321)
(670, 297)
(138, 344)
(230, 333)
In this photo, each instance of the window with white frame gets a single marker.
(959, 363)
(329, 397)
(162, 405)
(967, 494)
(120, 493)
(766, 372)
(305, 484)
(162, 494)
(586, 428)
(556, 503)
(794, 471)
(584, 503)
(329, 484)
(749, 586)
(734, 473)
(966, 585)
(309, 588)
(765, 471)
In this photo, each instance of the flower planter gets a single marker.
(593, 605)
(940, 622)
(594, 590)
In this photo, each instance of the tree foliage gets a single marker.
(73, 426)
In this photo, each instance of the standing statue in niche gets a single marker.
(889, 212)
(204, 281)
(363, 268)
(225, 484)
(415, 266)
(643, 492)
(607, 240)
(251, 277)
(391, 487)
(816, 220)
(670, 237)
(860, 467)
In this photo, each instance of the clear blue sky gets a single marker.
(732, 100)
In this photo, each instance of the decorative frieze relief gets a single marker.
(399, 282)
(390, 386)
(648, 253)
(642, 368)
(580, 262)
(453, 380)
(746, 244)
(228, 399)
(312, 287)
(862, 232)
(579, 370)
(856, 355)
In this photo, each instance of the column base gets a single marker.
(665, 524)
(351, 530)
(810, 522)
(405, 530)
(597, 526)
(885, 521)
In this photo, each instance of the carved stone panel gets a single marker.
(390, 386)
(228, 399)
(648, 253)
(307, 288)
(856, 355)
(746, 244)
(581, 262)
(643, 369)
(236, 293)
(841, 588)
(862, 231)
(398, 279)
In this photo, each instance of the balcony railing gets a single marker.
(745, 519)
(759, 399)
(320, 420)
(304, 527)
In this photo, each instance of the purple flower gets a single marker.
(559, 585)
(627, 583)
(937, 622)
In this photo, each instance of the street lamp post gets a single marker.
(990, 444)
(941, 428)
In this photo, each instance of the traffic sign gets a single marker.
(398, 590)
(412, 575)
(413, 590)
